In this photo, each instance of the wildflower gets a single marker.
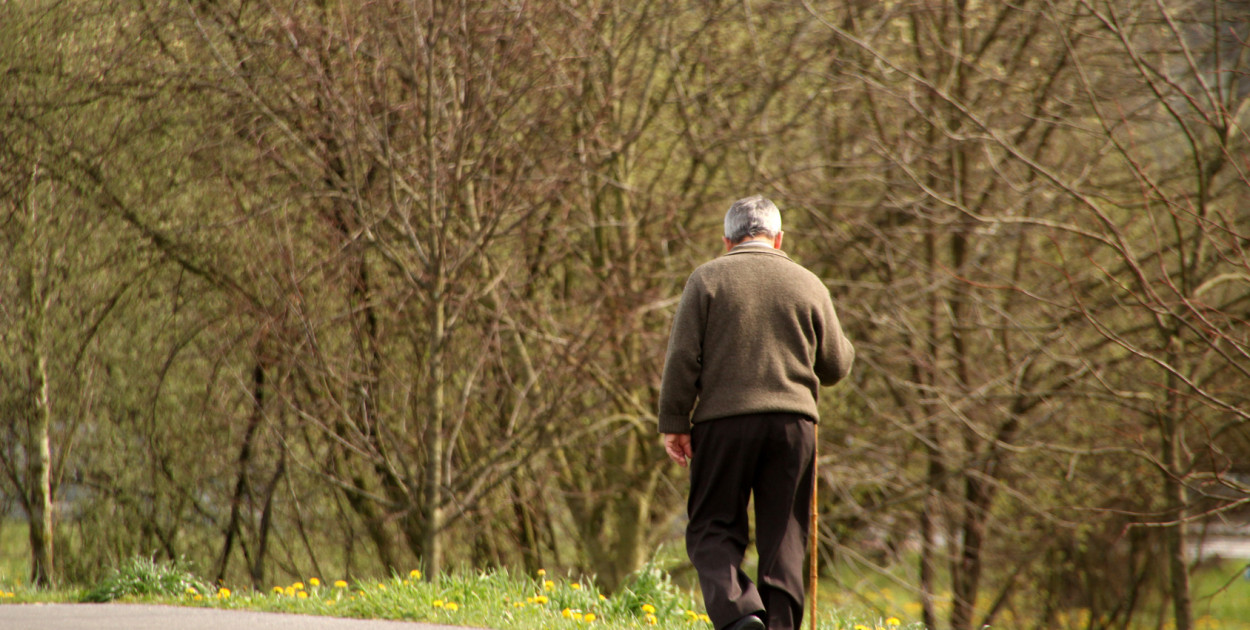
(705, 619)
(566, 613)
(314, 582)
(575, 586)
(415, 574)
(289, 591)
(198, 597)
(302, 594)
(589, 617)
(648, 608)
(651, 619)
(541, 599)
(381, 586)
(548, 585)
(893, 621)
(452, 606)
(694, 616)
(223, 593)
(518, 605)
(340, 584)
(860, 626)
(329, 602)
(542, 572)
(278, 590)
(438, 603)
(299, 586)
(602, 597)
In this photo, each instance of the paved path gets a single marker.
(146, 617)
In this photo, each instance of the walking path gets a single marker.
(148, 617)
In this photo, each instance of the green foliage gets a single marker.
(490, 599)
(652, 586)
(145, 577)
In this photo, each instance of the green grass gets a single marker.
(1221, 597)
(497, 599)
(144, 577)
(505, 600)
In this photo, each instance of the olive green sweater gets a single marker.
(755, 332)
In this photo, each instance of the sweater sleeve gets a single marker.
(834, 354)
(683, 363)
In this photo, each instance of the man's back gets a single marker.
(755, 333)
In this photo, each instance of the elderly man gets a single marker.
(754, 338)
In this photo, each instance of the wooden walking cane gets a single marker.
(812, 532)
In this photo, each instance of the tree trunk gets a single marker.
(41, 567)
(431, 543)
(1174, 495)
(242, 486)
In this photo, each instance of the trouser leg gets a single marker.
(783, 490)
(721, 474)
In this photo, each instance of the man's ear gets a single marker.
(728, 243)
(777, 240)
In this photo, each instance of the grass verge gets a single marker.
(498, 599)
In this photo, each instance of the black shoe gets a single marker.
(749, 622)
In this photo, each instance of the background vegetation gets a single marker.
(342, 288)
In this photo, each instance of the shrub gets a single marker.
(142, 577)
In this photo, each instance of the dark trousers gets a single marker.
(771, 456)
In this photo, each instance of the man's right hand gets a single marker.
(677, 445)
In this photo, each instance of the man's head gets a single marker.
(752, 218)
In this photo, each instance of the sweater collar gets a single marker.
(756, 247)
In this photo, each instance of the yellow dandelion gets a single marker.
(314, 582)
(381, 586)
(452, 606)
(289, 591)
(438, 603)
(302, 594)
(566, 613)
(223, 593)
(648, 608)
(893, 621)
(602, 597)
(198, 597)
(541, 599)
(518, 605)
(542, 572)
(278, 590)
(340, 584)
(575, 586)
(415, 574)
(705, 619)
(651, 619)
(692, 615)
(548, 585)
(589, 617)
(860, 626)
(299, 586)
(329, 602)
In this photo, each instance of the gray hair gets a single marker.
(753, 216)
